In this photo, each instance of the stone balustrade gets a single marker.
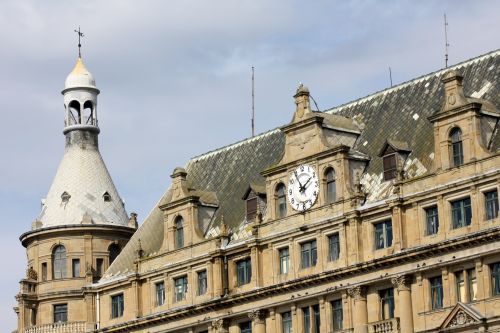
(384, 326)
(66, 327)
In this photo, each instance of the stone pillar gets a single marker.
(358, 295)
(220, 326)
(402, 283)
(258, 318)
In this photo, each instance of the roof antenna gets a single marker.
(80, 35)
(253, 102)
(446, 45)
(390, 75)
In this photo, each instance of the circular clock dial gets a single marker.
(303, 188)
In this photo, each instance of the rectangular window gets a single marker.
(333, 247)
(432, 220)
(389, 162)
(44, 271)
(461, 290)
(495, 279)
(472, 284)
(307, 320)
(317, 318)
(160, 293)
(383, 234)
(436, 284)
(99, 264)
(284, 254)
(75, 264)
(60, 313)
(246, 327)
(180, 286)
(286, 322)
(202, 282)
(308, 254)
(338, 315)
(491, 204)
(461, 213)
(244, 271)
(386, 303)
(117, 306)
(251, 208)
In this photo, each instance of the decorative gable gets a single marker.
(462, 315)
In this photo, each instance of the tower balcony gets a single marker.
(384, 326)
(63, 327)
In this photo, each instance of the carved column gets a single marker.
(358, 294)
(259, 320)
(220, 326)
(402, 283)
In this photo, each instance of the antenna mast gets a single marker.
(390, 75)
(446, 45)
(253, 102)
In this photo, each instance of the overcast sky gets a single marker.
(175, 81)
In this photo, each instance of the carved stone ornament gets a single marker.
(258, 316)
(461, 318)
(31, 273)
(220, 325)
(358, 292)
(401, 282)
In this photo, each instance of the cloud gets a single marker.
(175, 80)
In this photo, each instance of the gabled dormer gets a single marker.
(255, 201)
(394, 154)
(463, 127)
(187, 213)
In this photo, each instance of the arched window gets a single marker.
(114, 251)
(330, 188)
(74, 113)
(59, 262)
(280, 200)
(179, 232)
(88, 113)
(457, 153)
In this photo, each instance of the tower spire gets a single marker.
(80, 35)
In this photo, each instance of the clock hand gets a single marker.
(300, 185)
(307, 182)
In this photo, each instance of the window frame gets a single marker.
(392, 169)
(330, 185)
(59, 262)
(495, 278)
(308, 254)
(202, 282)
(386, 297)
(386, 233)
(456, 147)
(461, 212)
(284, 260)
(436, 290)
(491, 206)
(180, 288)
(179, 232)
(333, 247)
(281, 202)
(337, 315)
(431, 220)
(245, 327)
(243, 271)
(160, 293)
(117, 305)
(60, 310)
(75, 267)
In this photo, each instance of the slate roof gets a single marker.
(398, 114)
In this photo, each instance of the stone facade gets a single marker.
(405, 239)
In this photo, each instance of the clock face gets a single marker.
(303, 188)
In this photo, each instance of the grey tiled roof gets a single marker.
(398, 114)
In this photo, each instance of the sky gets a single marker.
(175, 81)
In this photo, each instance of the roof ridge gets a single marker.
(415, 80)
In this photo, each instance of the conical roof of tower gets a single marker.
(79, 77)
(82, 192)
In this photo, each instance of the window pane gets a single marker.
(160, 293)
(333, 247)
(436, 292)
(180, 285)
(307, 320)
(387, 303)
(389, 162)
(179, 232)
(338, 315)
(246, 327)
(495, 278)
(202, 282)
(284, 260)
(117, 306)
(59, 265)
(286, 319)
(317, 318)
(491, 202)
(281, 201)
(459, 276)
(76, 267)
(472, 284)
(308, 254)
(244, 271)
(432, 220)
(60, 313)
(330, 186)
(383, 234)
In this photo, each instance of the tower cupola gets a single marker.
(80, 99)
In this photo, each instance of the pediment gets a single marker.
(462, 315)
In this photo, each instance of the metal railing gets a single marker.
(66, 327)
(384, 326)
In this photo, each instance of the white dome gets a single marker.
(80, 77)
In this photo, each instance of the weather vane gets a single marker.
(80, 35)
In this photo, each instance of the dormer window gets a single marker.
(390, 166)
(179, 232)
(255, 200)
(65, 197)
(394, 154)
(106, 196)
(251, 208)
(456, 148)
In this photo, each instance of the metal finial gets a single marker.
(80, 35)
(446, 45)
